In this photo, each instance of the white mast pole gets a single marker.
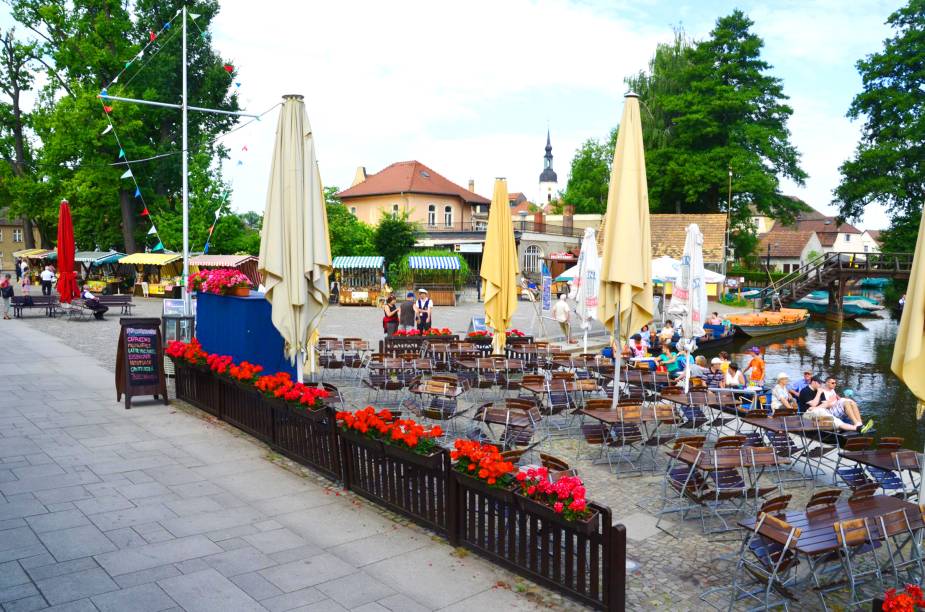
(187, 307)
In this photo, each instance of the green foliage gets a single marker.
(887, 165)
(395, 236)
(83, 45)
(589, 177)
(755, 276)
(716, 107)
(400, 275)
(347, 234)
(813, 256)
(744, 240)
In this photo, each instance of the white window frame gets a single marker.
(17, 235)
(532, 256)
(448, 216)
(353, 211)
(431, 215)
(847, 237)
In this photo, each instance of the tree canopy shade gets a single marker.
(395, 237)
(888, 165)
(347, 234)
(81, 45)
(589, 177)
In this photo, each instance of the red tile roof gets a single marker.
(410, 177)
(875, 234)
(784, 241)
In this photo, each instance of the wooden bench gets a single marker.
(47, 302)
(124, 302)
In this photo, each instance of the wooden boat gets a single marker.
(717, 335)
(767, 323)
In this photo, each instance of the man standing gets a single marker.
(561, 312)
(755, 369)
(406, 313)
(48, 278)
(423, 310)
(17, 265)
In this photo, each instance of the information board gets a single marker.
(547, 288)
(140, 360)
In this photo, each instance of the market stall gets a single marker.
(438, 274)
(358, 279)
(101, 272)
(245, 264)
(37, 260)
(156, 274)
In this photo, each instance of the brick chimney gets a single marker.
(472, 185)
(539, 221)
(568, 217)
(359, 176)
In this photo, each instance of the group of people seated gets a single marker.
(815, 398)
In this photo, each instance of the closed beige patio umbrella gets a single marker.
(295, 257)
(499, 267)
(909, 349)
(626, 258)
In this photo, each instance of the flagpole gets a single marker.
(187, 306)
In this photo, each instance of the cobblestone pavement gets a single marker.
(159, 508)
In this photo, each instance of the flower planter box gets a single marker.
(247, 409)
(428, 462)
(504, 495)
(358, 439)
(197, 385)
(547, 514)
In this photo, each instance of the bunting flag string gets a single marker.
(127, 174)
(152, 231)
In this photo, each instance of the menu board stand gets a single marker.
(140, 360)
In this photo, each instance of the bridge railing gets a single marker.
(860, 264)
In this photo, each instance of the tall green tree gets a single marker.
(725, 111)
(395, 237)
(347, 234)
(589, 176)
(888, 165)
(84, 45)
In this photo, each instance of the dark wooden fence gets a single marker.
(586, 563)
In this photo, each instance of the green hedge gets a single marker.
(400, 275)
(755, 276)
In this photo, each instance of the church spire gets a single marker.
(548, 175)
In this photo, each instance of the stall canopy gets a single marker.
(354, 262)
(33, 253)
(150, 259)
(433, 263)
(247, 264)
(98, 258)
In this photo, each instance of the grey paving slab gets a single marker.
(57, 520)
(239, 561)
(256, 585)
(294, 600)
(78, 585)
(125, 538)
(19, 509)
(105, 503)
(355, 590)
(145, 576)
(275, 541)
(325, 605)
(27, 604)
(202, 523)
(76, 542)
(142, 598)
(307, 572)
(129, 517)
(402, 603)
(81, 605)
(51, 570)
(152, 555)
(11, 574)
(208, 591)
(17, 591)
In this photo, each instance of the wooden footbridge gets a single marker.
(834, 272)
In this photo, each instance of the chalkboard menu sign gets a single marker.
(140, 360)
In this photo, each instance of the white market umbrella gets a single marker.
(667, 270)
(295, 257)
(587, 282)
(689, 295)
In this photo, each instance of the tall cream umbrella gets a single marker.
(499, 269)
(626, 259)
(295, 257)
(909, 349)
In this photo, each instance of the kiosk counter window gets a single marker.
(358, 279)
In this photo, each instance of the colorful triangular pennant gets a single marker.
(115, 80)
(153, 230)
(107, 130)
(229, 68)
(152, 36)
(158, 247)
(138, 194)
(104, 93)
(145, 212)
(167, 26)
(121, 153)
(194, 16)
(240, 163)
(244, 148)
(127, 174)
(107, 109)
(237, 84)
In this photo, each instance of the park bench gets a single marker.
(48, 303)
(124, 302)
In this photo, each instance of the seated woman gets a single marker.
(670, 361)
(780, 394)
(637, 347)
(734, 377)
(715, 319)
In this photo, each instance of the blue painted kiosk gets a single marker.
(241, 327)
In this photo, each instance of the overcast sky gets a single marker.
(469, 88)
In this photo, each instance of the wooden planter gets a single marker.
(503, 495)
(432, 461)
(547, 514)
(358, 439)
(247, 409)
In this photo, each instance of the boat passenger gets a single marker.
(810, 395)
(715, 319)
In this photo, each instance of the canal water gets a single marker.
(858, 354)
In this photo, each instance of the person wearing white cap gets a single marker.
(714, 376)
(780, 394)
(423, 310)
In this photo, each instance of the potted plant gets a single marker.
(244, 374)
(296, 396)
(221, 281)
(481, 467)
(562, 501)
(413, 443)
(189, 354)
(909, 599)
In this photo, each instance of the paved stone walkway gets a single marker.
(157, 509)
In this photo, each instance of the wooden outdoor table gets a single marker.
(501, 414)
(569, 386)
(684, 399)
(818, 534)
(788, 424)
(711, 460)
(644, 378)
(612, 417)
(886, 459)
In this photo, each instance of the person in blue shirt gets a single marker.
(801, 384)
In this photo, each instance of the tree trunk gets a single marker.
(28, 236)
(127, 205)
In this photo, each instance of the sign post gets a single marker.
(140, 360)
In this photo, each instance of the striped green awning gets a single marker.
(429, 262)
(364, 261)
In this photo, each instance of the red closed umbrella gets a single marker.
(67, 283)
